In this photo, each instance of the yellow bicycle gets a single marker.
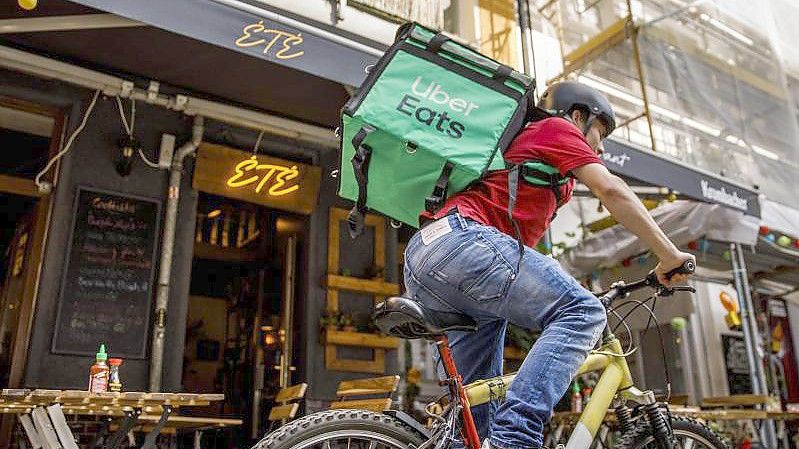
(642, 422)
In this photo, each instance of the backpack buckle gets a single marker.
(434, 202)
(355, 222)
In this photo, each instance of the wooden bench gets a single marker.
(289, 399)
(350, 392)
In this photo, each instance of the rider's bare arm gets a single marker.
(627, 209)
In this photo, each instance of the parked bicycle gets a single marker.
(643, 422)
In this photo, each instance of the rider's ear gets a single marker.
(577, 116)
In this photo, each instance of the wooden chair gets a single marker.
(350, 392)
(289, 399)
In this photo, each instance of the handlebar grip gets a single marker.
(687, 267)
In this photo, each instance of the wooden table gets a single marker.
(41, 413)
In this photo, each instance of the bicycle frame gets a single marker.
(615, 378)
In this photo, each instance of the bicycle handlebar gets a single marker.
(619, 289)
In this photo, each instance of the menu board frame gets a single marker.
(141, 353)
(738, 381)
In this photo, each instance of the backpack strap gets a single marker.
(437, 41)
(502, 73)
(513, 188)
(540, 174)
(536, 174)
(434, 202)
(360, 166)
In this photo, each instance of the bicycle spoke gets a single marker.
(326, 444)
(372, 444)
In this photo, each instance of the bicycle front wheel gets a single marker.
(689, 433)
(342, 429)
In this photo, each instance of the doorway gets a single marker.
(28, 136)
(240, 334)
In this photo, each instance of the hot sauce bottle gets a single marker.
(114, 382)
(98, 374)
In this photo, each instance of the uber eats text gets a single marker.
(439, 120)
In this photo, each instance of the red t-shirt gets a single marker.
(554, 141)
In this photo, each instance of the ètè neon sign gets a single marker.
(276, 175)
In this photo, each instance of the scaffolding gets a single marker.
(711, 83)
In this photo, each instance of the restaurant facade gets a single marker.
(174, 198)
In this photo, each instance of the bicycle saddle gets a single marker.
(405, 318)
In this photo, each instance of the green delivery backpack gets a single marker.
(432, 117)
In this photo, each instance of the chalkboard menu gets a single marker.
(107, 289)
(737, 363)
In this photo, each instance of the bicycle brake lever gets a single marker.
(668, 291)
(664, 291)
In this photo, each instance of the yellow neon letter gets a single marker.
(241, 167)
(287, 43)
(285, 175)
(248, 31)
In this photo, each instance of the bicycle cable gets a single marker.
(630, 346)
(652, 317)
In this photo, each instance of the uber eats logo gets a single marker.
(435, 118)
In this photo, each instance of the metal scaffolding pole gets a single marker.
(640, 68)
(768, 435)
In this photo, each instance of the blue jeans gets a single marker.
(472, 269)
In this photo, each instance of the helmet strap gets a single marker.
(588, 122)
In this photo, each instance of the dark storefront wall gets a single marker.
(90, 163)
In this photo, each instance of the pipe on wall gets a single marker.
(43, 67)
(167, 253)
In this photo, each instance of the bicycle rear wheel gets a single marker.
(342, 429)
(689, 433)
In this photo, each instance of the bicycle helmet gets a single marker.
(560, 99)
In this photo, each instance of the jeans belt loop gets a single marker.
(461, 220)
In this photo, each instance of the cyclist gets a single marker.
(465, 259)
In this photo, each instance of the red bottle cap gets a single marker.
(115, 362)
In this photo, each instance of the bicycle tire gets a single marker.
(297, 434)
(642, 437)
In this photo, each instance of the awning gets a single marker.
(682, 221)
(253, 31)
(656, 169)
(181, 62)
(779, 217)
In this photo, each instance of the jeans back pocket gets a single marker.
(476, 268)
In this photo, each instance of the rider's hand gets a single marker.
(668, 264)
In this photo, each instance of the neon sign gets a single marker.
(279, 176)
(250, 38)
